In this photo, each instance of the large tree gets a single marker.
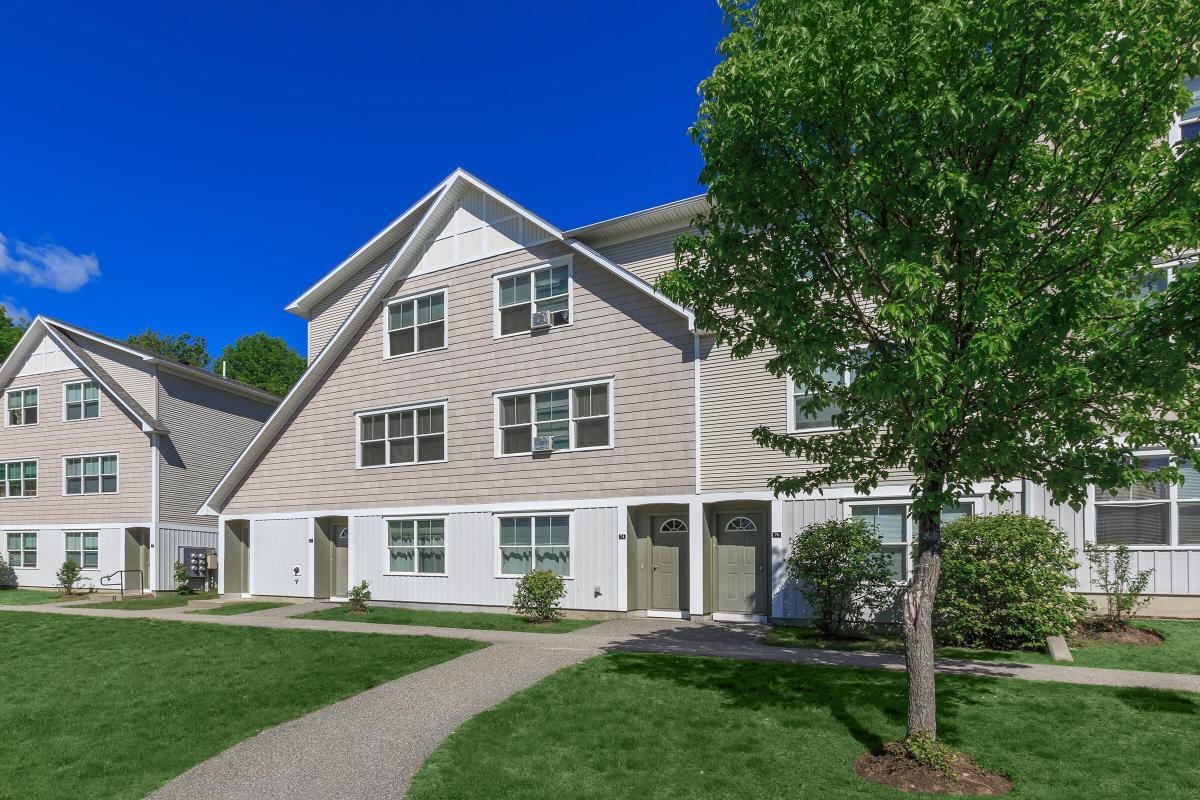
(263, 361)
(184, 348)
(11, 330)
(940, 217)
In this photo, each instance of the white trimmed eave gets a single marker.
(448, 191)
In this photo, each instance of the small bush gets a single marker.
(68, 576)
(1121, 585)
(538, 596)
(926, 751)
(841, 572)
(1005, 583)
(359, 596)
(181, 579)
(8, 575)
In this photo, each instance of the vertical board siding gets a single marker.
(127, 370)
(208, 429)
(1175, 571)
(276, 546)
(170, 541)
(46, 356)
(472, 556)
(52, 438)
(648, 257)
(799, 514)
(52, 552)
(616, 331)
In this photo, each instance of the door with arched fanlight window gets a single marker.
(668, 562)
(741, 563)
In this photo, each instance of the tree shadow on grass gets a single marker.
(851, 696)
(1154, 700)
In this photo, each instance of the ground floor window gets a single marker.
(417, 546)
(535, 542)
(894, 525)
(1161, 515)
(22, 548)
(83, 547)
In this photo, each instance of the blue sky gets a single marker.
(194, 167)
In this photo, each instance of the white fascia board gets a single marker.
(302, 305)
(21, 350)
(316, 370)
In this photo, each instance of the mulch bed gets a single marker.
(1096, 634)
(901, 772)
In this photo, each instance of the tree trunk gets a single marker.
(918, 628)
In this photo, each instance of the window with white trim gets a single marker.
(20, 479)
(414, 435)
(893, 524)
(417, 546)
(22, 548)
(1189, 123)
(518, 296)
(81, 400)
(90, 474)
(535, 542)
(673, 525)
(573, 417)
(815, 419)
(1159, 515)
(83, 547)
(416, 323)
(22, 405)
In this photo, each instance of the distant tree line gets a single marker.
(262, 361)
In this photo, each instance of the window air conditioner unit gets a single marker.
(561, 317)
(543, 444)
(539, 319)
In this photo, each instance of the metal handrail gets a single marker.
(141, 580)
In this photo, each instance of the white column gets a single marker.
(220, 556)
(696, 549)
(778, 554)
(622, 556)
(312, 557)
(152, 578)
(249, 558)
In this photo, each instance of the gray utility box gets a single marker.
(195, 559)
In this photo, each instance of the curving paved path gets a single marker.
(370, 745)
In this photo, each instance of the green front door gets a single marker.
(740, 563)
(668, 544)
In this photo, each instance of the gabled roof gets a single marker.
(428, 212)
(639, 223)
(85, 362)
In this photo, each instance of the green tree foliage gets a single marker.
(11, 331)
(263, 361)
(956, 204)
(1006, 583)
(184, 348)
(841, 570)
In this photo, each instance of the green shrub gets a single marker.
(68, 576)
(538, 596)
(841, 571)
(359, 596)
(8, 575)
(181, 579)
(1005, 583)
(1121, 585)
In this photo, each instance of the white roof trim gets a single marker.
(675, 211)
(446, 191)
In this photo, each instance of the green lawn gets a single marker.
(230, 609)
(1179, 652)
(152, 602)
(661, 727)
(112, 708)
(30, 597)
(478, 621)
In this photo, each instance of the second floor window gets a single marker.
(570, 418)
(1189, 125)
(82, 401)
(22, 407)
(402, 436)
(20, 479)
(416, 323)
(819, 419)
(91, 475)
(547, 289)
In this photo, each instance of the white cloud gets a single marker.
(46, 265)
(14, 311)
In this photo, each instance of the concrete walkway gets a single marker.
(371, 745)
